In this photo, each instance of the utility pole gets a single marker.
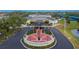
(65, 24)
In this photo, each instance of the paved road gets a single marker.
(62, 41)
(14, 41)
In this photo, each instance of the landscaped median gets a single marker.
(28, 44)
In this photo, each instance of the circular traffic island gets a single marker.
(39, 40)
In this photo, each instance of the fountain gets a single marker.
(39, 39)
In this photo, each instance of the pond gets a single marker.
(75, 32)
(74, 18)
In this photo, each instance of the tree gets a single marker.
(31, 22)
(46, 22)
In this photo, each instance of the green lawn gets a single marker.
(68, 33)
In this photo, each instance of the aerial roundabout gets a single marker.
(38, 38)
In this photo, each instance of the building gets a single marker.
(39, 19)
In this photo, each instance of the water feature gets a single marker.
(75, 32)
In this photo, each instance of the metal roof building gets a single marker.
(39, 17)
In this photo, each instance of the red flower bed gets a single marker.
(43, 37)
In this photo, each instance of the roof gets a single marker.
(39, 17)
